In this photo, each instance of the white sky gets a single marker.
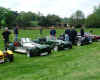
(63, 8)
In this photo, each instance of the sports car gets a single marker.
(25, 45)
(79, 41)
(6, 56)
(93, 37)
(56, 44)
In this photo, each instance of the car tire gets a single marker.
(98, 40)
(28, 53)
(10, 58)
(78, 43)
(70, 46)
(49, 51)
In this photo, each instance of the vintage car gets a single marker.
(25, 45)
(6, 56)
(83, 40)
(55, 44)
(79, 41)
(93, 37)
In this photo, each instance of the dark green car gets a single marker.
(26, 46)
(56, 44)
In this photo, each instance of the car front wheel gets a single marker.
(28, 53)
(56, 48)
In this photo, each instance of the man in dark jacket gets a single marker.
(82, 31)
(67, 33)
(53, 33)
(73, 35)
(5, 35)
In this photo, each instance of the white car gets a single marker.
(25, 45)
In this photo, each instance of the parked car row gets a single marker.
(44, 46)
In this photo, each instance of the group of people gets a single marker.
(6, 34)
(70, 34)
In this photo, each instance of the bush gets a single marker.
(34, 23)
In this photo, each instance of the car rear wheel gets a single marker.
(70, 46)
(10, 58)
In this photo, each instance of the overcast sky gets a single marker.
(63, 8)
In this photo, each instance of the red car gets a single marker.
(93, 37)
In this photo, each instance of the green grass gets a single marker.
(79, 63)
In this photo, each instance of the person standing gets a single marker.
(16, 33)
(67, 34)
(52, 33)
(41, 30)
(5, 35)
(82, 32)
(73, 35)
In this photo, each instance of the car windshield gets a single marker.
(26, 40)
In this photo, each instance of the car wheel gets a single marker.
(78, 43)
(98, 40)
(56, 48)
(28, 53)
(70, 46)
(10, 58)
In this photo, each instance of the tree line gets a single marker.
(23, 19)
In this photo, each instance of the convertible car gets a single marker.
(25, 45)
(79, 41)
(6, 56)
(93, 37)
(55, 44)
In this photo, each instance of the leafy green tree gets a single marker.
(34, 24)
(27, 19)
(3, 22)
(53, 20)
(7, 17)
(77, 19)
(94, 18)
(11, 19)
(3, 14)
(42, 21)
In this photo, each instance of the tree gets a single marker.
(53, 20)
(11, 19)
(42, 21)
(7, 17)
(3, 13)
(27, 19)
(94, 18)
(77, 19)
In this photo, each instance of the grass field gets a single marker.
(79, 63)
